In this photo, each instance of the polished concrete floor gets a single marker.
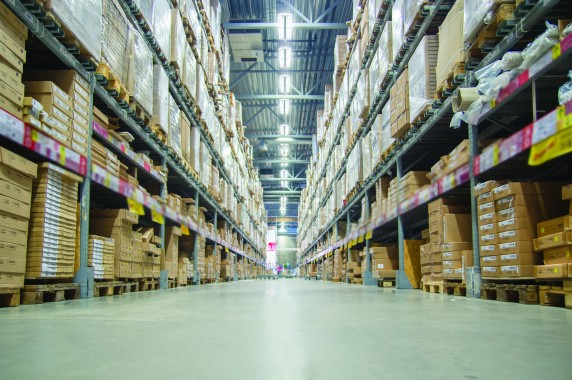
(285, 329)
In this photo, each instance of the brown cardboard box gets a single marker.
(515, 224)
(560, 255)
(559, 239)
(517, 271)
(456, 228)
(14, 22)
(488, 218)
(123, 269)
(12, 221)
(487, 229)
(115, 213)
(551, 271)
(456, 246)
(490, 272)
(437, 268)
(436, 257)
(515, 247)
(486, 208)
(488, 239)
(378, 264)
(448, 206)
(486, 197)
(512, 188)
(489, 261)
(567, 192)
(48, 88)
(12, 78)
(529, 258)
(552, 226)
(426, 269)
(19, 163)
(515, 235)
(384, 252)
(518, 212)
(14, 207)
(452, 264)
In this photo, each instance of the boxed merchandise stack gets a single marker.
(140, 76)
(381, 62)
(340, 54)
(451, 46)
(354, 266)
(151, 252)
(137, 257)
(101, 253)
(53, 230)
(185, 269)
(339, 266)
(12, 58)
(16, 178)
(450, 237)
(384, 261)
(77, 90)
(52, 107)
(403, 16)
(451, 162)
(115, 42)
(226, 269)
(161, 97)
(422, 82)
(555, 242)
(170, 260)
(507, 218)
(399, 105)
(104, 158)
(117, 224)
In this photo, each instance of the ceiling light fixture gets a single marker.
(284, 84)
(284, 150)
(283, 173)
(284, 184)
(284, 165)
(284, 57)
(284, 26)
(284, 129)
(284, 106)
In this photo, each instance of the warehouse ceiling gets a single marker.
(255, 79)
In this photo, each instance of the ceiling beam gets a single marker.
(291, 179)
(281, 138)
(278, 97)
(279, 161)
(279, 219)
(280, 71)
(274, 25)
(282, 192)
(274, 101)
(280, 203)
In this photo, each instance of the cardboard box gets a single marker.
(560, 255)
(490, 272)
(487, 229)
(452, 264)
(512, 188)
(515, 224)
(14, 207)
(552, 226)
(567, 192)
(489, 261)
(515, 235)
(19, 163)
(378, 264)
(456, 246)
(528, 258)
(484, 198)
(488, 250)
(488, 239)
(10, 18)
(115, 213)
(12, 221)
(12, 78)
(551, 271)
(436, 257)
(48, 88)
(515, 247)
(559, 239)
(518, 212)
(456, 228)
(485, 187)
(488, 218)
(486, 208)
(517, 271)
(384, 253)
(11, 59)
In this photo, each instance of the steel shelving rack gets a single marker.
(523, 90)
(179, 179)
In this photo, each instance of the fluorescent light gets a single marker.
(284, 129)
(283, 173)
(284, 57)
(283, 212)
(284, 84)
(284, 106)
(284, 165)
(284, 198)
(284, 26)
(284, 183)
(284, 150)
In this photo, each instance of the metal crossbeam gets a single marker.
(281, 192)
(295, 10)
(291, 179)
(274, 25)
(279, 161)
(281, 71)
(278, 97)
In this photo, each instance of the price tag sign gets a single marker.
(360, 239)
(544, 128)
(135, 207)
(551, 148)
(185, 230)
(157, 218)
(226, 249)
(369, 235)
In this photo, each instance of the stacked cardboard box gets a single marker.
(77, 89)
(354, 266)
(555, 242)
(13, 35)
(213, 260)
(449, 163)
(137, 257)
(449, 235)
(16, 176)
(151, 252)
(399, 191)
(104, 158)
(170, 260)
(507, 217)
(399, 105)
(101, 253)
(384, 261)
(340, 52)
(185, 268)
(53, 224)
(451, 45)
(56, 115)
(226, 269)
(118, 225)
(421, 73)
(339, 266)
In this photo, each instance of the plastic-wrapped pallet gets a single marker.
(422, 81)
(190, 13)
(385, 56)
(162, 25)
(366, 154)
(340, 51)
(140, 78)
(195, 149)
(475, 13)
(375, 133)
(403, 15)
(451, 46)
(386, 139)
(205, 165)
(355, 166)
(116, 39)
(174, 135)
(363, 91)
(84, 19)
(190, 73)
(146, 9)
(160, 98)
(178, 40)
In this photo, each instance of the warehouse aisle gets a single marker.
(286, 329)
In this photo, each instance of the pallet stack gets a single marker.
(384, 261)
(151, 251)
(101, 257)
(53, 224)
(16, 178)
(170, 260)
(422, 82)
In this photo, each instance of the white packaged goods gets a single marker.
(383, 61)
(162, 25)
(363, 91)
(140, 78)
(160, 98)
(190, 72)
(403, 17)
(174, 135)
(116, 39)
(386, 139)
(375, 136)
(178, 40)
(206, 165)
(366, 155)
(475, 13)
(84, 19)
(451, 46)
(422, 81)
(191, 14)
(340, 51)
(355, 167)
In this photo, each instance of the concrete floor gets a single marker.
(285, 329)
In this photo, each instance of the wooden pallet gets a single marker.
(130, 285)
(433, 286)
(141, 116)
(37, 294)
(157, 134)
(112, 84)
(559, 295)
(425, 114)
(386, 283)
(9, 297)
(108, 288)
(451, 82)
(455, 288)
(524, 294)
(172, 283)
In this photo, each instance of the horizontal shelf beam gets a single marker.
(274, 25)
(278, 97)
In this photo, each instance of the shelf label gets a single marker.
(544, 128)
(369, 235)
(551, 148)
(185, 230)
(360, 239)
(556, 51)
(157, 218)
(135, 206)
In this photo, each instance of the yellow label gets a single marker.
(493, 103)
(360, 239)
(556, 238)
(567, 253)
(226, 249)
(135, 206)
(185, 230)
(350, 244)
(542, 229)
(496, 155)
(551, 148)
(156, 217)
(555, 270)
(556, 51)
(62, 155)
(369, 235)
